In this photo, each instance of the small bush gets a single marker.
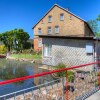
(97, 83)
(98, 73)
(31, 51)
(64, 73)
(70, 76)
(3, 49)
(60, 66)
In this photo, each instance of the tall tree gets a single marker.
(94, 25)
(98, 18)
(15, 39)
(0, 37)
(22, 38)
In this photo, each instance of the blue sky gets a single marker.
(26, 13)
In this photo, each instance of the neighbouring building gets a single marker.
(64, 38)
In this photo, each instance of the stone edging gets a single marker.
(24, 59)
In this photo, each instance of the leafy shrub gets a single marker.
(27, 45)
(70, 76)
(98, 73)
(26, 51)
(31, 51)
(97, 83)
(64, 73)
(60, 66)
(3, 49)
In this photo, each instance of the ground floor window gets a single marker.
(47, 49)
(39, 42)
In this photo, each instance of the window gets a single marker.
(61, 17)
(70, 17)
(47, 49)
(39, 42)
(39, 31)
(56, 29)
(89, 48)
(49, 30)
(49, 18)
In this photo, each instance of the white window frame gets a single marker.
(49, 19)
(47, 50)
(89, 48)
(49, 30)
(56, 29)
(39, 43)
(39, 31)
(62, 17)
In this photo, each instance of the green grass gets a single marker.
(27, 56)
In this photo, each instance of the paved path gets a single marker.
(95, 96)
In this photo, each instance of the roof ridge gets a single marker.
(71, 12)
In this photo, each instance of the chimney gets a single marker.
(67, 9)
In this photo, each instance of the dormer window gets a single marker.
(49, 30)
(49, 18)
(56, 29)
(61, 17)
(39, 31)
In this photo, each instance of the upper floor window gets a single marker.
(70, 17)
(39, 31)
(49, 18)
(56, 29)
(49, 30)
(61, 16)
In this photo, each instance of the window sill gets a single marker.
(49, 33)
(39, 34)
(57, 33)
(61, 20)
(49, 22)
(47, 56)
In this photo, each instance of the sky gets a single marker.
(26, 13)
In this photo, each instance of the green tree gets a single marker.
(0, 37)
(22, 38)
(27, 45)
(14, 39)
(98, 34)
(98, 18)
(94, 25)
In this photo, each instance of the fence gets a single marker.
(77, 86)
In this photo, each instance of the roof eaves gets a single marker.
(90, 28)
(71, 13)
(68, 37)
(45, 15)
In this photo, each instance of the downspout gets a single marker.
(95, 52)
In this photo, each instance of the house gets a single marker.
(63, 21)
(66, 38)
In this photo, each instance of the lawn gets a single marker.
(27, 56)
